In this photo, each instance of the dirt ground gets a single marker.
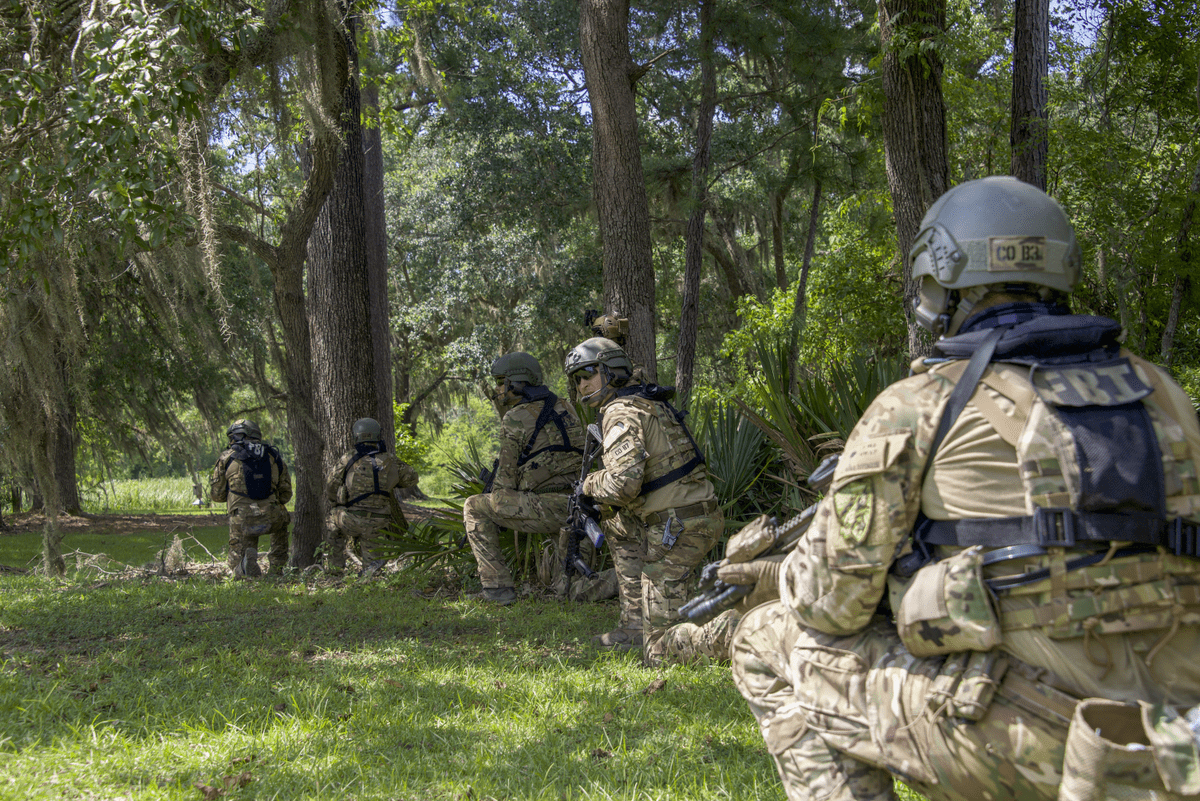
(126, 523)
(110, 523)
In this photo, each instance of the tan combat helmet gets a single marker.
(611, 326)
(987, 234)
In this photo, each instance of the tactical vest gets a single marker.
(683, 461)
(255, 459)
(361, 478)
(549, 462)
(1098, 465)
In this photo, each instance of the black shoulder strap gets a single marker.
(658, 394)
(546, 415)
(959, 397)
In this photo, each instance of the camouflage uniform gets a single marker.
(844, 704)
(643, 441)
(249, 519)
(362, 500)
(685, 643)
(530, 491)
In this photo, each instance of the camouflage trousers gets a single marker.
(484, 515)
(623, 532)
(685, 643)
(666, 579)
(552, 571)
(843, 715)
(251, 520)
(358, 531)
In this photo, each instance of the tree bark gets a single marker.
(1028, 132)
(622, 209)
(800, 306)
(65, 443)
(376, 242)
(1183, 247)
(694, 245)
(914, 130)
(338, 287)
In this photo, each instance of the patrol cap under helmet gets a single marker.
(991, 231)
(243, 429)
(518, 366)
(366, 430)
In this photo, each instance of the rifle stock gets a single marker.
(715, 595)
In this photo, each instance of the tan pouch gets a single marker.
(949, 608)
(1116, 751)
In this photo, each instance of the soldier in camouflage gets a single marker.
(540, 456)
(1000, 595)
(655, 480)
(252, 479)
(361, 490)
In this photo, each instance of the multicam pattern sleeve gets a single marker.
(837, 573)
(333, 479)
(515, 429)
(619, 481)
(283, 487)
(218, 484)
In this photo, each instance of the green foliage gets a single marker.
(409, 447)
(139, 495)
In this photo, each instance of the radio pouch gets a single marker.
(948, 608)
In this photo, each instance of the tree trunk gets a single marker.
(694, 247)
(1183, 247)
(338, 289)
(1028, 132)
(619, 186)
(376, 242)
(65, 478)
(914, 133)
(800, 306)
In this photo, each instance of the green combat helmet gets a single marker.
(989, 234)
(517, 367)
(243, 429)
(366, 430)
(515, 371)
(611, 326)
(603, 355)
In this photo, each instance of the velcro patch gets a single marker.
(853, 505)
(1111, 383)
(870, 455)
(614, 433)
(1008, 254)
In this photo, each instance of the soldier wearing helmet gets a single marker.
(997, 598)
(654, 478)
(252, 478)
(361, 490)
(541, 450)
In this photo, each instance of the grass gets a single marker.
(146, 689)
(140, 495)
(133, 548)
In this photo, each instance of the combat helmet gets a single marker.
(243, 429)
(603, 355)
(611, 326)
(366, 429)
(988, 234)
(517, 367)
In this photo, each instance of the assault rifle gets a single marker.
(579, 523)
(488, 477)
(715, 595)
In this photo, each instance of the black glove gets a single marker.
(587, 505)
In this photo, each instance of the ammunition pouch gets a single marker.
(1118, 750)
(949, 608)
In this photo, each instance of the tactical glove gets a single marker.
(755, 537)
(762, 574)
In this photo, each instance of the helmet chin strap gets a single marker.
(966, 303)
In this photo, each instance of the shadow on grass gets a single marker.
(364, 688)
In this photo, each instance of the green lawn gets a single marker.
(132, 548)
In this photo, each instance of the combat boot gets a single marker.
(249, 564)
(372, 567)
(619, 640)
(499, 595)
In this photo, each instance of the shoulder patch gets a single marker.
(871, 454)
(853, 505)
(614, 433)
